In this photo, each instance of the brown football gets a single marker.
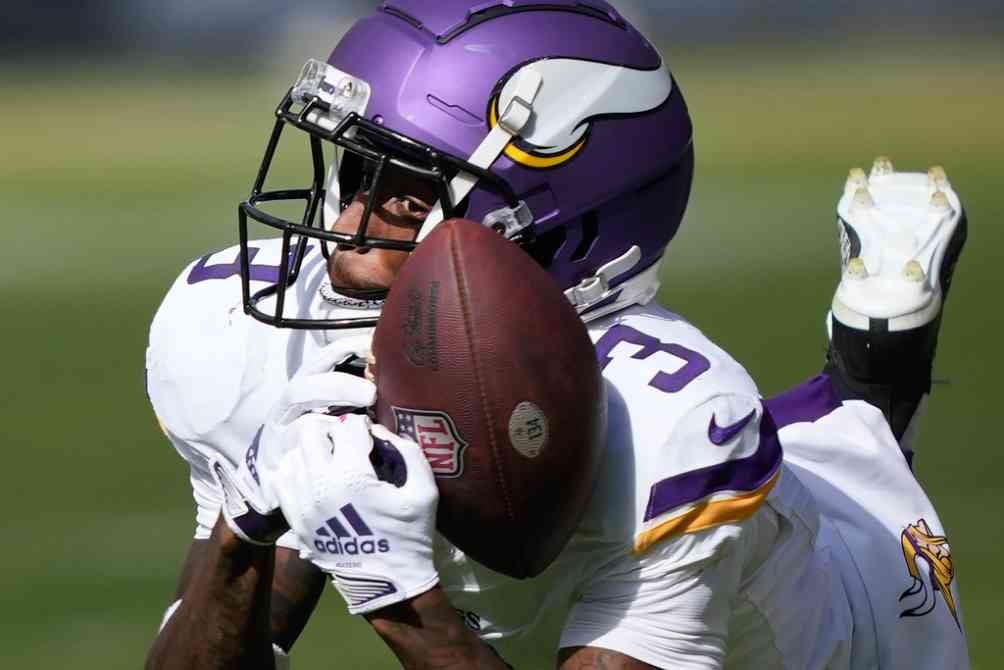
(481, 360)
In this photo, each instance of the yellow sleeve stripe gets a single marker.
(705, 515)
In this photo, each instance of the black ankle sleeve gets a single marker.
(891, 371)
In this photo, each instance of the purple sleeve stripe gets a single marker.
(741, 474)
(807, 402)
(706, 514)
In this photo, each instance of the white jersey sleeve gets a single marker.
(661, 610)
(758, 593)
(689, 420)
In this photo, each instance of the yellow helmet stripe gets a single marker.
(528, 159)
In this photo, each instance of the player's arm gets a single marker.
(223, 618)
(425, 632)
(595, 658)
(296, 588)
(225, 587)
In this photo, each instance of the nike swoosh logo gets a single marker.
(721, 435)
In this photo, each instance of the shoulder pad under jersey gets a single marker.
(199, 357)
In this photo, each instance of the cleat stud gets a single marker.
(913, 272)
(937, 178)
(857, 179)
(882, 167)
(856, 268)
(939, 201)
(863, 199)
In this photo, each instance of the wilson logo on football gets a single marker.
(438, 437)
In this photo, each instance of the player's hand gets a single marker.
(249, 508)
(374, 537)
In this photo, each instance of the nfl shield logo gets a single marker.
(438, 437)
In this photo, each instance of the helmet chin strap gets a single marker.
(511, 123)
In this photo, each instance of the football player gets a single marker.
(705, 545)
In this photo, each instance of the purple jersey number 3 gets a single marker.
(695, 364)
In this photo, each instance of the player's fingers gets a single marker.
(352, 444)
(308, 459)
(310, 432)
(306, 444)
(292, 477)
(335, 353)
(320, 391)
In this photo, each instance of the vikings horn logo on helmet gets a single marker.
(575, 93)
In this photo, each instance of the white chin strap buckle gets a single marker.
(509, 222)
(591, 291)
(517, 114)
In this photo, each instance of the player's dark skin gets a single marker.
(239, 598)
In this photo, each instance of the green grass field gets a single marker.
(107, 189)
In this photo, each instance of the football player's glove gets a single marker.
(373, 536)
(249, 508)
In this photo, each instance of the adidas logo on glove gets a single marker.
(334, 538)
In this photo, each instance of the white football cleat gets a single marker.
(900, 236)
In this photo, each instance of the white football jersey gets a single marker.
(701, 548)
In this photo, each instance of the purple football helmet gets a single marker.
(556, 123)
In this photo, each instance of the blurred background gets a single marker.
(129, 131)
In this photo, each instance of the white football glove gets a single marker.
(374, 537)
(249, 509)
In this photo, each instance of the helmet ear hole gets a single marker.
(546, 246)
(590, 224)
